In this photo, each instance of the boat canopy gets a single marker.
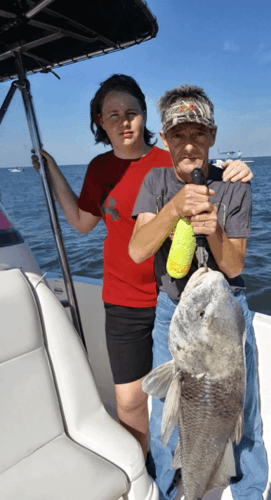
(53, 33)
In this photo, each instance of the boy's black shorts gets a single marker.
(129, 341)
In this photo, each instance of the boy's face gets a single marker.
(188, 144)
(123, 120)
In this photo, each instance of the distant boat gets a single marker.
(227, 156)
(16, 169)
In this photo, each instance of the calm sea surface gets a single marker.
(22, 197)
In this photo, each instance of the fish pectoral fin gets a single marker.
(157, 382)
(239, 429)
(225, 471)
(177, 459)
(171, 408)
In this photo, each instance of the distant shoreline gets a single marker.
(60, 166)
(244, 158)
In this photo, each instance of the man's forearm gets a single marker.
(150, 232)
(229, 253)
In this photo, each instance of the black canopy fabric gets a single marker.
(51, 33)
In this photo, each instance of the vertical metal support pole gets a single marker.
(24, 86)
(7, 101)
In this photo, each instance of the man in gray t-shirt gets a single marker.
(188, 131)
(233, 203)
(221, 211)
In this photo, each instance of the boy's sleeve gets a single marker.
(91, 192)
(239, 212)
(145, 201)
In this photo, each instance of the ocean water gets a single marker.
(23, 198)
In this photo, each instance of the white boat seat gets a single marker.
(62, 469)
(56, 439)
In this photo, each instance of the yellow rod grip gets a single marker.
(182, 249)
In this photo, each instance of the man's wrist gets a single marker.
(174, 212)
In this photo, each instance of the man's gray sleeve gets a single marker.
(145, 201)
(239, 212)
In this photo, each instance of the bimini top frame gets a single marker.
(36, 38)
(51, 33)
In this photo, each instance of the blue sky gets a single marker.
(224, 47)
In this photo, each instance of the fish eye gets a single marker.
(202, 314)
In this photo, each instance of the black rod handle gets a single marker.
(199, 178)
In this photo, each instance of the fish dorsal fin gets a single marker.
(171, 408)
(157, 382)
(177, 459)
(225, 471)
(239, 429)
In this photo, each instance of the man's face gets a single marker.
(188, 144)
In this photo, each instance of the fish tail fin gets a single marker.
(225, 471)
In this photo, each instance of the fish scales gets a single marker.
(207, 420)
(204, 383)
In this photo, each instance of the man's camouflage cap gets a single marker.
(187, 110)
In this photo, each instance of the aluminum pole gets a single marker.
(7, 101)
(24, 85)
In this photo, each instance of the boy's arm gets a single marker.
(81, 221)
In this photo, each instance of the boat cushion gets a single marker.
(37, 457)
(63, 470)
(31, 415)
(21, 330)
(86, 420)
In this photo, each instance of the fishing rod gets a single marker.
(202, 255)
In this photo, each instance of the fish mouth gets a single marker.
(199, 277)
(196, 279)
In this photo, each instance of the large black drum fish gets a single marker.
(204, 384)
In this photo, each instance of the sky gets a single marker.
(223, 47)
